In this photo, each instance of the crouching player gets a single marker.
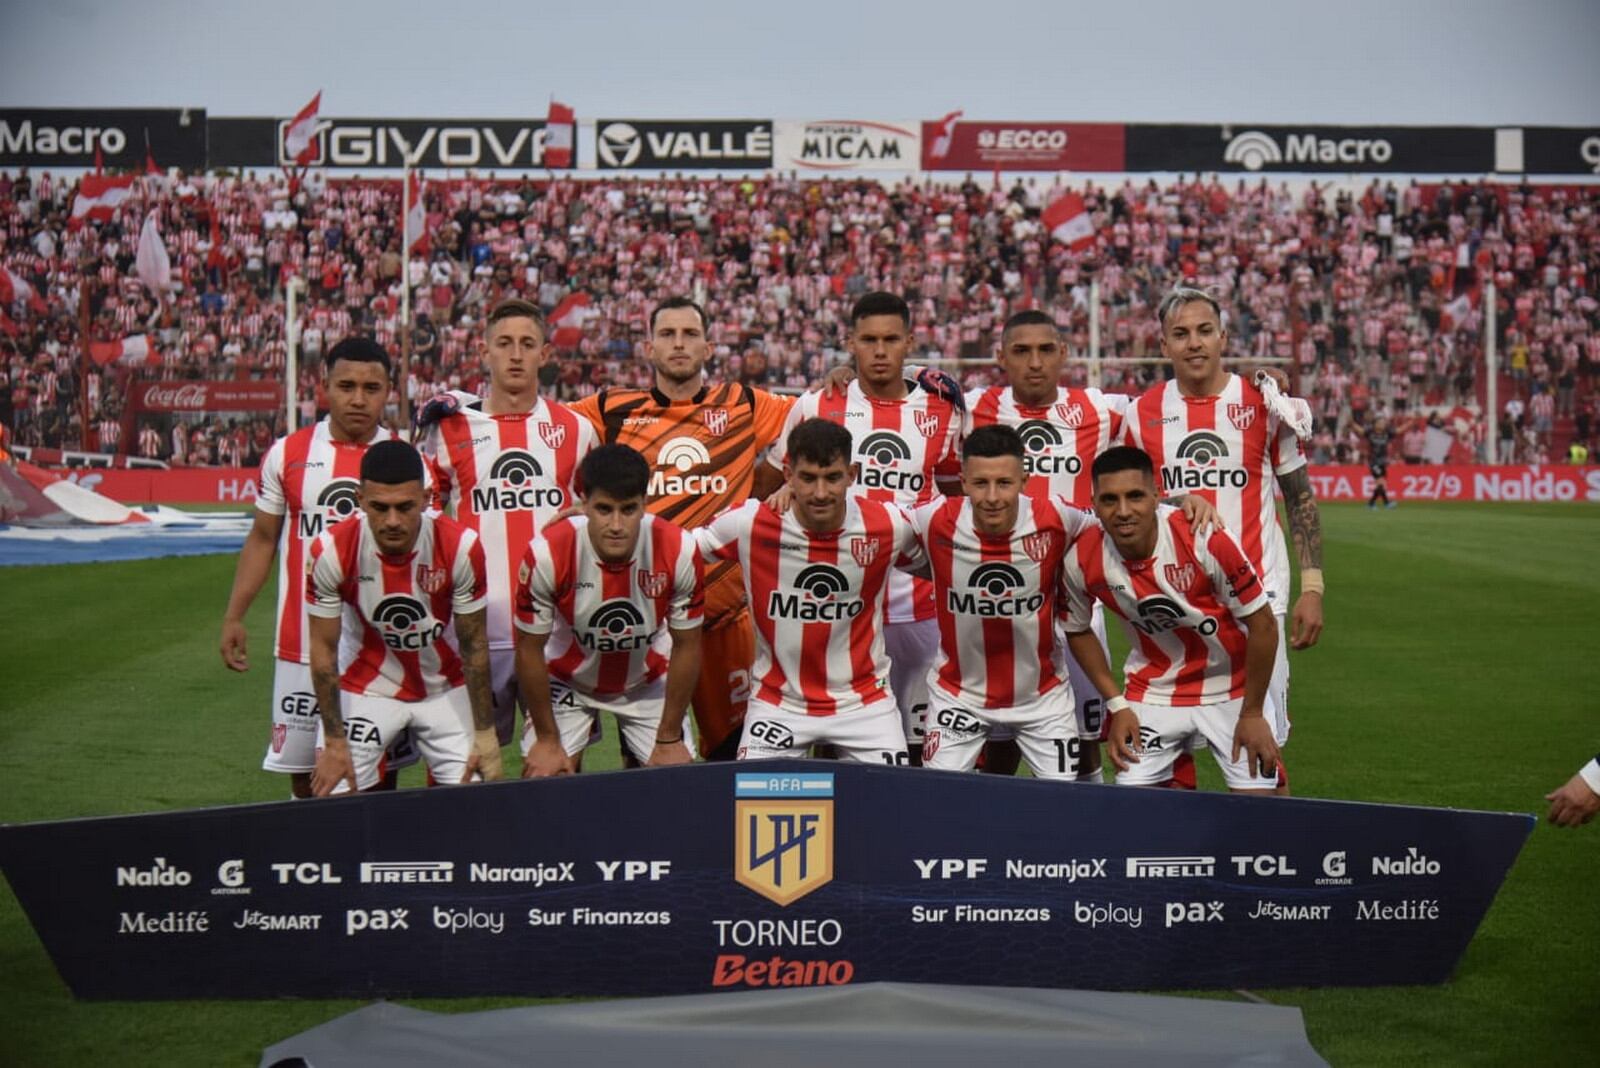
(406, 574)
(1200, 625)
(616, 595)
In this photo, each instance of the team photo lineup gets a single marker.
(883, 569)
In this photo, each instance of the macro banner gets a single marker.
(1023, 146)
(1461, 482)
(68, 137)
(828, 146)
(683, 144)
(385, 144)
(737, 876)
(1313, 149)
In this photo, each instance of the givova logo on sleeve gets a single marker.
(783, 834)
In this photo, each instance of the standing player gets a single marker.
(308, 482)
(1210, 432)
(1378, 439)
(1202, 635)
(906, 443)
(405, 574)
(817, 578)
(702, 443)
(504, 466)
(621, 591)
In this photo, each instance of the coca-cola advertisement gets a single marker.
(206, 396)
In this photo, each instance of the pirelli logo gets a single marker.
(1171, 867)
(408, 871)
(783, 834)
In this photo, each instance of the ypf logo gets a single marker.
(1041, 449)
(337, 501)
(405, 623)
(783, 834)
(619, 144)
(816, 597)
(681, 456)
(614, 627)
(1252, 150)
(516, 482)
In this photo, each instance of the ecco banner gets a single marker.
(847, 145)
(1024, 146)
(1561, 150)
(779, 873)
(683, 144)
(481, 144)
(68, 137)
(1341, 149)
(1461, 482)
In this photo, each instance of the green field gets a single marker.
(1459, 668)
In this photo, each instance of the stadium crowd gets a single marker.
(1356, 290)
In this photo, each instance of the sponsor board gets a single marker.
(1560, 150)
(683, 144)
(1024, 146)
(70, 137)
(833, 145)
(205, 396)
(1462, 482)
(1312, 149)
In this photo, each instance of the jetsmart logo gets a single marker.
(408, 871)
(989, 593)
(674, 464)
(515, 484)
(1254, 149)
(1171, 867)
(1041, 448)
(882, 454)
(614, 627)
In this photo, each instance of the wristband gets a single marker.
(670, 741)
(1117, 704)
(1311, 580)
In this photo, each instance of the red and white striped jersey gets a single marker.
(505, 476)
(311, 481)
(1180, 608)
(1060, 440)
(609, 622)
(405, 604)
(817, 600)
(900, 447)
(1229, 450)
(997, 598)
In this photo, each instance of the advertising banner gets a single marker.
(390, 144)
(1462, 482)
(683, 144)
(68, 137)
(178, 485)
(205, 395)
(1560, 150)
(833, 145)
(715, 877)
(1024, 146)
(1312, 149)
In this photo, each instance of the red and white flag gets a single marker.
(14, 287)
(1067, 219)
(99, 196)
(300, 139)
(941, 139)
(416, 216)
(151, 262)
(1453, 316)
(568, 319)
(558, 129)
(135, 350)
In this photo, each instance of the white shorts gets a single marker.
(638, 718)
(441, 726)
(1278, 687)
(1088, 706)
(911, 648)
(1045, 730)
(870, 735)
(1166, 731)
(296, 720)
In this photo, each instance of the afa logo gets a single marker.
(991, 591)
(675, 464)
(337, 501)
(405, 623)
(615, 627)
(783, 834)
(1158, 615)
(1200, 457)
(1042, 449)
(882, 454)
(815, 597)
(515, 484)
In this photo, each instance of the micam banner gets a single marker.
(460, 144)
(1312, 149)
(733, 876)
(69, 137)
(832, 145)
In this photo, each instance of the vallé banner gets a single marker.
(736, 876)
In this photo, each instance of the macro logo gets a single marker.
(1198, 466)
(619, 144)
(816, 597)
(405, 623)
(337, 501)
(1252, 150)
(1157, 615)
(992, 591)
(1255, 149)
(881, 455)
(514, 485)
(783, 834)
(1041, 450)
(674, 466)
(617, 626)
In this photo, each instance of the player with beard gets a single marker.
(702, 442)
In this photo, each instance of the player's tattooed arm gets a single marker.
(334, 764)
(472, 634)
(1305, 522)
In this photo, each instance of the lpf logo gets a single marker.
(783, 834)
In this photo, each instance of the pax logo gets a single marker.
(359, 920)
(1192, 912)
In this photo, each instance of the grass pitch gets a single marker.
(1459, 668)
